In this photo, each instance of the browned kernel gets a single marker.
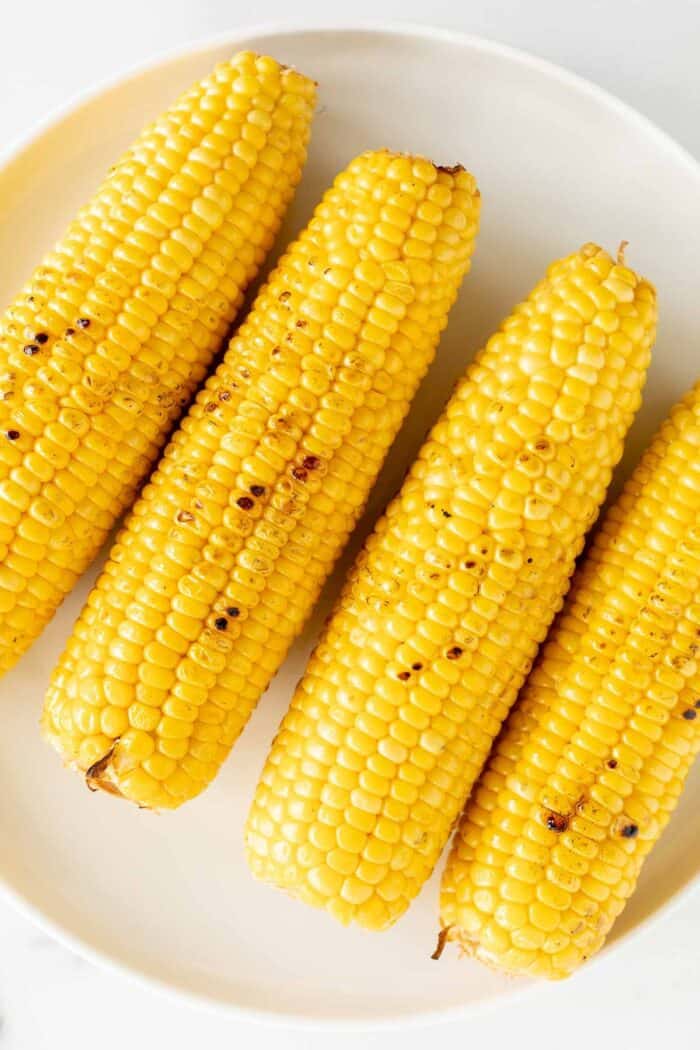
(612, 763)
(233, 611)
(690, 714)
(557, 822)
(13, 434)
(30, 349)
(245, 502)
(403, 676)
(299, 473)
(83, 322)
(184, 516)
(257, 490)
(454, 653)
(221, 623)
(41, 338)
(629, 831)
(311, 462)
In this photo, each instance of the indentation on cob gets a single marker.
(115, 329)
(604, 732)
(224, 554)
(440, 619)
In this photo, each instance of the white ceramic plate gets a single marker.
(559, 163)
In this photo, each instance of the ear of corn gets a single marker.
(117, 326)
(593, 759)
(226, 551)
(441, 617)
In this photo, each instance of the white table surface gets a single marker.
(645, 52)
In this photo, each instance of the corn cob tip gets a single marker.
(421, 165)
(442, 939)
(591, 249)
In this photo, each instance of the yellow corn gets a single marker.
(441, 617)
(225, 553)
(117, 326)
(594, 757)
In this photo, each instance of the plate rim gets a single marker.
(21, 145)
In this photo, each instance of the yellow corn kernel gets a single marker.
(447, 671)
(225, 552)
(605, 731)
(117, 326)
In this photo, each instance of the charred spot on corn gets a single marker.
(311, 463)
(221, 623)
(454, 652)
(83, 322)
(629, 831)
(403, 676)
(557, 821)
(41, 338)
(299, 473)
(30, 349)
(13, 435)
(245, 503)
(257, 490)
(611, 763)
(690, 714)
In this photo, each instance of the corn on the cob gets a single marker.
(117, 326)
(226, 551)
(442, 614)
(594, 757)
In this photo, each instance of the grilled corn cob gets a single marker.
(442, 614)
(226, 551)
(117, 326)
(593, 759)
